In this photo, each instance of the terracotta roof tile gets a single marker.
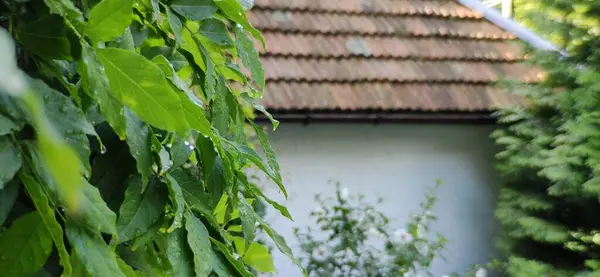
(428, 55)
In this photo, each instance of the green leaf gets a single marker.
(249, 55)
(108, 19)
(141, 85)
(260, 108)
(210, 81)
(95, 256)
(216, 31)
(93, 212)
(40, 201)
(181, 150)
(37, 35)
(7, 126)
(138, 140)
(239, 266)
(10, 160)
(176, 59)
(177, 201)
(198, 240)
(96, 84)
(194, 9)
(234, 11)
(25, 246)
(258, 257)
(176, 26)
(248, 220)
(67, 9)
(8, 196)
(267, 149)
(180, 255)
(125, 268)
(253, 157)
(219, 266)
(257, 192)
(140, 209)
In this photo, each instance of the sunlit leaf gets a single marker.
(258, 257)
(108, 19)
(25, 246)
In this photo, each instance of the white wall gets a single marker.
(397, 162)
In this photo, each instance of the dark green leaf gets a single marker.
(249, 55)
(253, 189)
(253, 157)
(96, 84)
(142, 86)
(181, 150)
(210, 81)
(67, 9)
(108, 19)
(198, 240)
(8, 196)
(267, 150)
(93, 211)
(234, 11)
(177, 60)
(219, 266)
(248, 221)
(124, 41)
(95, 256)
(25, 246)
(194, 9)
(239, 266)
(138, 140)
(216, 31)
(177, 201)
(220, 110)
(140, 210)
(10, 160)
(36, 36)
(40, 200)
(180, 255)
(125, 268)
(7, 126)
(176, 25)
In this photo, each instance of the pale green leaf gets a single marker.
(267, 150)
(8, 196)
(142, 86)
(93, 211)
(177, 202)
(176, 25)
(234, 11)
(210, 79)
(40, 201)
(25, 246)
(260, 108)
(216, 31)
(125, 268)
(95, 256)
(96, 84)
(198, 240)
(7, 126)
(10, 160)
(257, 256)
(179, 254)
(194, 9)
(124, 41)
(35, 36)
(239, 266)
(108, 19)
(257, 192)
(140, 209)
(249, 55)
(138, 140)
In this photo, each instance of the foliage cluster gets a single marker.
(122, 141)
(355, 239)
(549, 204)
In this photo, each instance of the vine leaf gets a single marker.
(40, 201)
(35, 36)
(95, 256)
(194, 9)
(93, 212)
(216, 31)
(108, 19)
(198, 240)
(249, 55)
(179, 254)
(96, 84)
(140, 209)
(8, 197)
(10, 160)
(25, 246)
(138, 140)
(178, 202)
(141, 86)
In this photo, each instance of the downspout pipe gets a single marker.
(510, 25)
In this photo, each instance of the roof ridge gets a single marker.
(415, 12)
(417, 58)
(451, 34)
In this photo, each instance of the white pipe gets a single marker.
(509, 25)
(507, 8)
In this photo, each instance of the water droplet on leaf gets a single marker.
(102, 149)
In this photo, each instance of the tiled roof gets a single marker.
(353, 55)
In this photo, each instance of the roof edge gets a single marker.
(510, 25)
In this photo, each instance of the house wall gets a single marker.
(396, 162)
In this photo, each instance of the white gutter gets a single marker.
(510, 25)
